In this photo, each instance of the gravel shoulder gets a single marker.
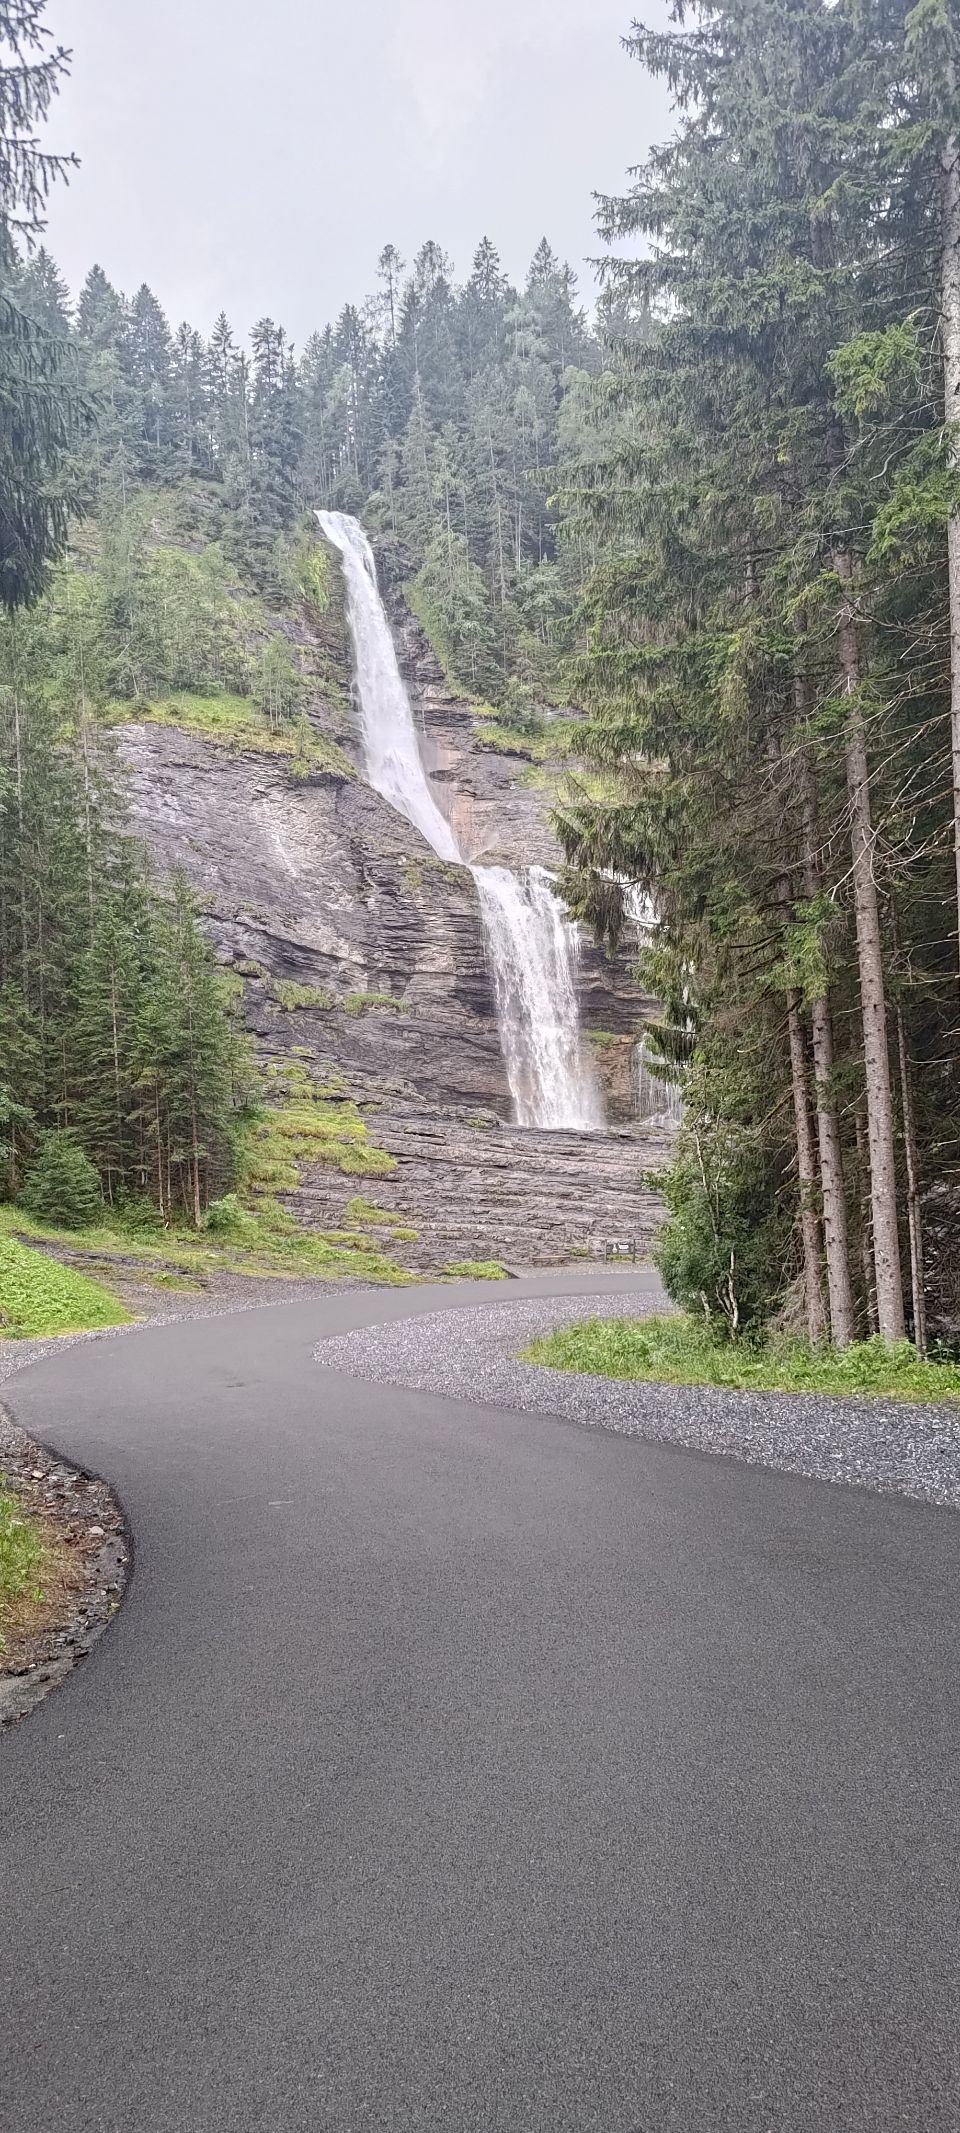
(472, 1355)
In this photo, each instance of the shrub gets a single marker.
(229, 1219)
(62, 1187)
(723, 1250)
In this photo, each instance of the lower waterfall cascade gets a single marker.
(531, 945)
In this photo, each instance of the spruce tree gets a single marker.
(39, 409)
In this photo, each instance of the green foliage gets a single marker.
(40, 408)
(308, 571)
(724, 1249)
(38, 1297)
(21, 1558)
(293, 997)
(254, 1236)
(362, 1003)
(683, 1351)
(542, 740)
(361, 1210)
(762, 482)
(299, 1128)
(61, 1186)
(277, 684)
(872, 371)
(228, 1219)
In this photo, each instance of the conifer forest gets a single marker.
(711, 516)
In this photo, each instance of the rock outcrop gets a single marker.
(361, 956)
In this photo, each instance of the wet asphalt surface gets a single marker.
(450, 1767)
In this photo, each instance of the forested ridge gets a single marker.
(440, 411)
(721, 517)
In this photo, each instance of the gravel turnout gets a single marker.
(472, 1355)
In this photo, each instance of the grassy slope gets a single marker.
(249, 1233)
(678, 1351)
(37, 1296)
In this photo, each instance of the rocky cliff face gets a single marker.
(361, 956)
(316, 887)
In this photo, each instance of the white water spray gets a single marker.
(530, 942)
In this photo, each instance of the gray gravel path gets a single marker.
(472, 1355)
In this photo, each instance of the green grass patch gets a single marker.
(293, 997)
(284, 1137)
(235, 723)
(255, 1240)
(558, 739)
(474, 1270)
(362, 1003)
(40, 1297)
(323, 753)
(246, 1232)
(360, 1210)
(604, 1038)
(21, 1559)
(366, 1211)
(229, 721)
(680, 1351)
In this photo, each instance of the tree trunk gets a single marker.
(807, 1174)
(883, 1170)
(866, 1226)
(195, 1167)
(160, 1193)
(21, 848)
(914, 1209)
(835, 1226)
(950, 327)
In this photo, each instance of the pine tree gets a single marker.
(39, 410)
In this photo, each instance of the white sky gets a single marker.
(256, 158)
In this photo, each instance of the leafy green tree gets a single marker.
(62, 1187)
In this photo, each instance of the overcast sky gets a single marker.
(255, 158)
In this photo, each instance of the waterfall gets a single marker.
(533, 955)
(530, 943)
(394, 766)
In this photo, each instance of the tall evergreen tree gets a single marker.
(38, 408)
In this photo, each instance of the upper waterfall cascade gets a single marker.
(531, 945)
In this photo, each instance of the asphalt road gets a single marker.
(452, 1769)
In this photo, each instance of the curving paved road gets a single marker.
(452, 1769)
